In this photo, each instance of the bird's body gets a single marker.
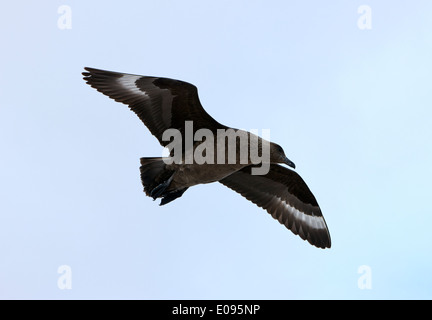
(202, 152)
(188, 175)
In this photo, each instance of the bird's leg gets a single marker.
(160, 189)
(172, 196)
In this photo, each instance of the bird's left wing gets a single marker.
(284, 194)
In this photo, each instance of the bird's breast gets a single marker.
(187, 175)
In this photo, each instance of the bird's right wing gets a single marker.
(284, 194)
(161, 103)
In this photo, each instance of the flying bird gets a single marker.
(164, 104)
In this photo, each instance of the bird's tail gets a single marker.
(156, 179)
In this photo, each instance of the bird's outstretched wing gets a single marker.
(161, 103)
(284, 194)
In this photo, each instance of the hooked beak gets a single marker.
(289, 162)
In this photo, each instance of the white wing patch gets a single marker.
(128, 82)
(314, 222)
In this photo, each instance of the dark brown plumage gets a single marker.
(162, 104)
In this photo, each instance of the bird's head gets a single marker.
(277, 155)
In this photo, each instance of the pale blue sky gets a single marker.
(352, 108)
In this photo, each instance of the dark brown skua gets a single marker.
(163, 104)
